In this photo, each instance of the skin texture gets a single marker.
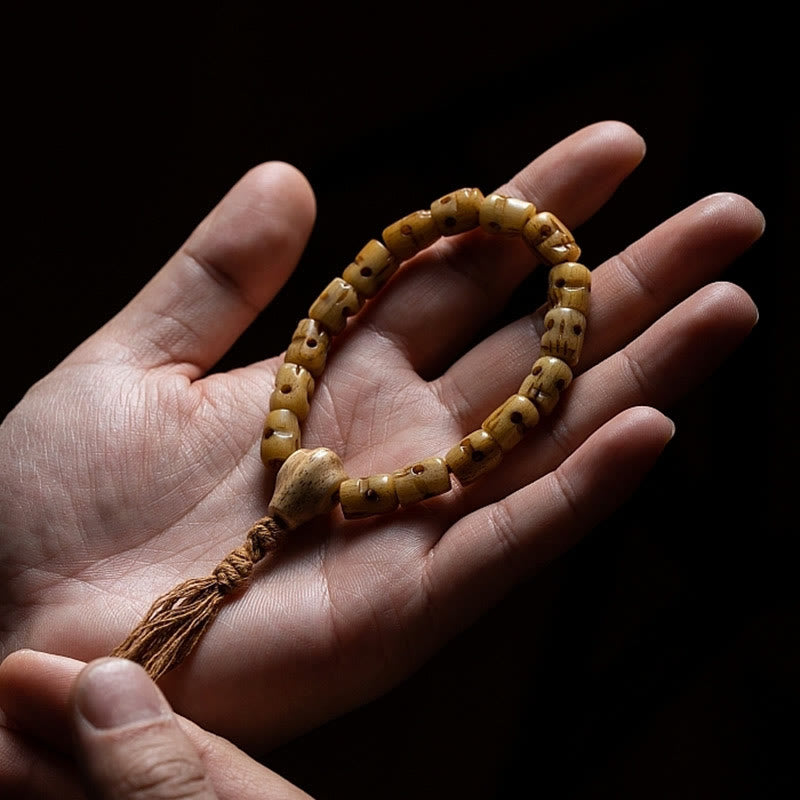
(129, 469)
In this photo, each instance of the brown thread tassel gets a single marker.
(177, 620)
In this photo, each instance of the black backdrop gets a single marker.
(659, 658)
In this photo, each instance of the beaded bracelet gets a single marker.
(310, 483)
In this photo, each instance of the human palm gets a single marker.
(131, 467)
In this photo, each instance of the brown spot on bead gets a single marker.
(550, 323)
(448, 199)
(561, 283)
(516, 417)
(560, 384)
(418, 469)
(286, 388)
(406, 230)
(268, 432)
(311, 343)
(545, 230)
(371, 495)
(577, 329)
(477, 455)
(449, 222)
(366, 272)
(536, 370)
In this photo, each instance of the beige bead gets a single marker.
(564, 329)
(372, 267)
(419, 481)
(281, 437)
(309, 346)
(473, 456)
(505, 216)
(336, 303)
(550, 238)
(306, 486)
(511, 421)
(362, 497)
(411, 234)
(549, 377)
(294, 387)
(570, 286)
(457, 212)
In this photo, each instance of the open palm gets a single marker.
(129, 468)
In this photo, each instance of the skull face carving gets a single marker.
(550, 238)
(564, 330)
(309, 346)
(549, 377)
(570, 285)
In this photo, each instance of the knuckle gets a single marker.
(160, 773)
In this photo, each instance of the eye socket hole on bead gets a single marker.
(268, 432)
(561, 283)
(418, 469)
(371, 495)
(477, 455)
(449, 222)
(311, 342)
(576, 329)
(286, 388)
(536, 370)
(516, 417)
(366, 272)
(560, 384)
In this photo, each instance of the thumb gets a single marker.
(129, 742)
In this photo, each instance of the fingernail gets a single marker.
(114, 692)
(672, 432)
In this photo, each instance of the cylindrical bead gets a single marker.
(371, 268)
(564, 329)
(362, 497)
(549, 377)
(338, 301)
(281, 437)
(294, 387)
(511, 421)
(306, 486)
(411, 234)
(550, 238)
(309, 346)
(570, 286)
(419, 481)
(505, 216)
(473, 456)
(457, 212)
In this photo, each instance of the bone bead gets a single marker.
(564, 329)
(419, 481)
(306, 486)
(337, 302)
(550, 238)
(505, 216)
(511, 421)
(570, 286)
(473, 456)
(371, 268)
(549, 377)
(281, 437)
(362, 497)
(411, 234)
(457, 212)
(294, 387)
(309, 346)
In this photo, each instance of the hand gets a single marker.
(111, 722)
(129, 469)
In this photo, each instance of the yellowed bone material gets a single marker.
(564, 329)
(306, 486)
(421, 480)
(505, 216)
(511, 421)
(309, 346)
(337, 301)
(410, 234)
(550, 238)
(457, 212)
(294, 387)
(474, 456)
(570, 286)
(281, 437)
(549, 377)
(362, 497)
(371, 268)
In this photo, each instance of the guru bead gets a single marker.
(294, 387)
(306, 486)
(281, 437)
(550, 238)
(362, 497)
(411, 234)
(336, 303)
(505, 216)
(371, 268)
(564, 329)
(457, 212)
(426, 478)
(549, 377)
(569, 286)
(473, 456)
(511, 421)
(309, 346)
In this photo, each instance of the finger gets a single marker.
(629, 292)
(438, 302)
(488, 551)
(228, 270)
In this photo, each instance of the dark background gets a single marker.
(660, 657)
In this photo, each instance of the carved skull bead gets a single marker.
(564, 329)
(570, 285)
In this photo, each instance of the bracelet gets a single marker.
(310, 483)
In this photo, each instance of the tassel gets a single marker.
(176, 620)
